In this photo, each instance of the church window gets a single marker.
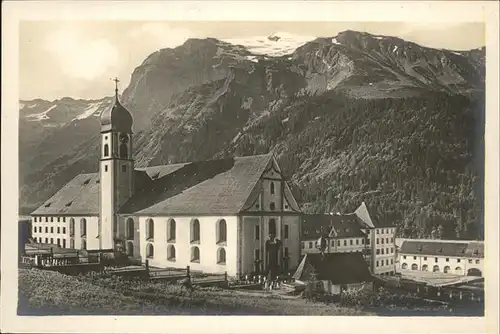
(150, 229)
(124, 168)
(72, 243)
(221, 256)
(83, 227)
(130, 248)
(272, 188)
(149, 251)
(105, 168)
(106, 150)
(221, 231)
(123, 150)
(84, 244)
(195, 230)
(195, 254)
(272, 226)
(272, 206)
(257, 232)
(71, 227)
(286, 232)
(171, 231)
(130, 229)
(171, 253)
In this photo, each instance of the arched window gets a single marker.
(474, 272)
(195, 230)
(272, 188)
(221, 256)
(195, 254)
(404, 266)
(272, 226)
(150, 229)
(171, 253)
(149, 251)
(71, 227)
(446, 269)
(106, 150)
(171, 229)
(130, 248)
(458, 271)
(425, 267)
(123, 150)
(414, 266)
(84, 244)
(130, 229)
(435, 269)
(221, 231)
(83, 227)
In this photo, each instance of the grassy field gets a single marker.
(49, 293)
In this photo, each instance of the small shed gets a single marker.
(334, 272)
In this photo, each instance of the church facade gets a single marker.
(215, 216)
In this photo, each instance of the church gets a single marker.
(215, 216)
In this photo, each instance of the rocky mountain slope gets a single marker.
(352, 117)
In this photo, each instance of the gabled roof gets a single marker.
(334, 226)
(368, 217)
(79, 196)
(339, 268)
(455, 249)
(207, 187)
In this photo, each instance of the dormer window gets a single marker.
(475, 251)
(48, 204)
(86, 181)
(154, 177)
(272, 188)
(69, 203)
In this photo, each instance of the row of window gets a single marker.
(39, 229)
(381, 240)
(435, 268)
(49, 219)
(386, 230)
(83, 227)
(381, 263)
(447, 259)
(339, 243)
(171, 253)
(61, 242)
(381, 251)
(220, 230)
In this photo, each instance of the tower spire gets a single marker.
(116, 87)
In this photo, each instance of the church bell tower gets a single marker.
(116, 169)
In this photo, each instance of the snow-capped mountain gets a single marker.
(274, 45)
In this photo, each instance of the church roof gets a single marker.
(339, 268)
(206, 187)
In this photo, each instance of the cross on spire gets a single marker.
(116, 86)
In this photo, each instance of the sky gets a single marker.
(79, 58)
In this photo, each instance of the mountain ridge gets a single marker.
(209, 99)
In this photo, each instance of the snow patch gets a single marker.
(88, 112)
(334, 41)
(395, 48)
(236, 138)
(457, 53)
(316, 118)
(21, 106)
(32, 106)
(253, 58)
(378, 37)
(276, 45)
(285, 120)
(41, 116)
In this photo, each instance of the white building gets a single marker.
(354, 232)
(214, 216)
(452, 257)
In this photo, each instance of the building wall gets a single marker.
(335, 245)
(183, 246)
(383, 239)
(420, 260)
(58, 227)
